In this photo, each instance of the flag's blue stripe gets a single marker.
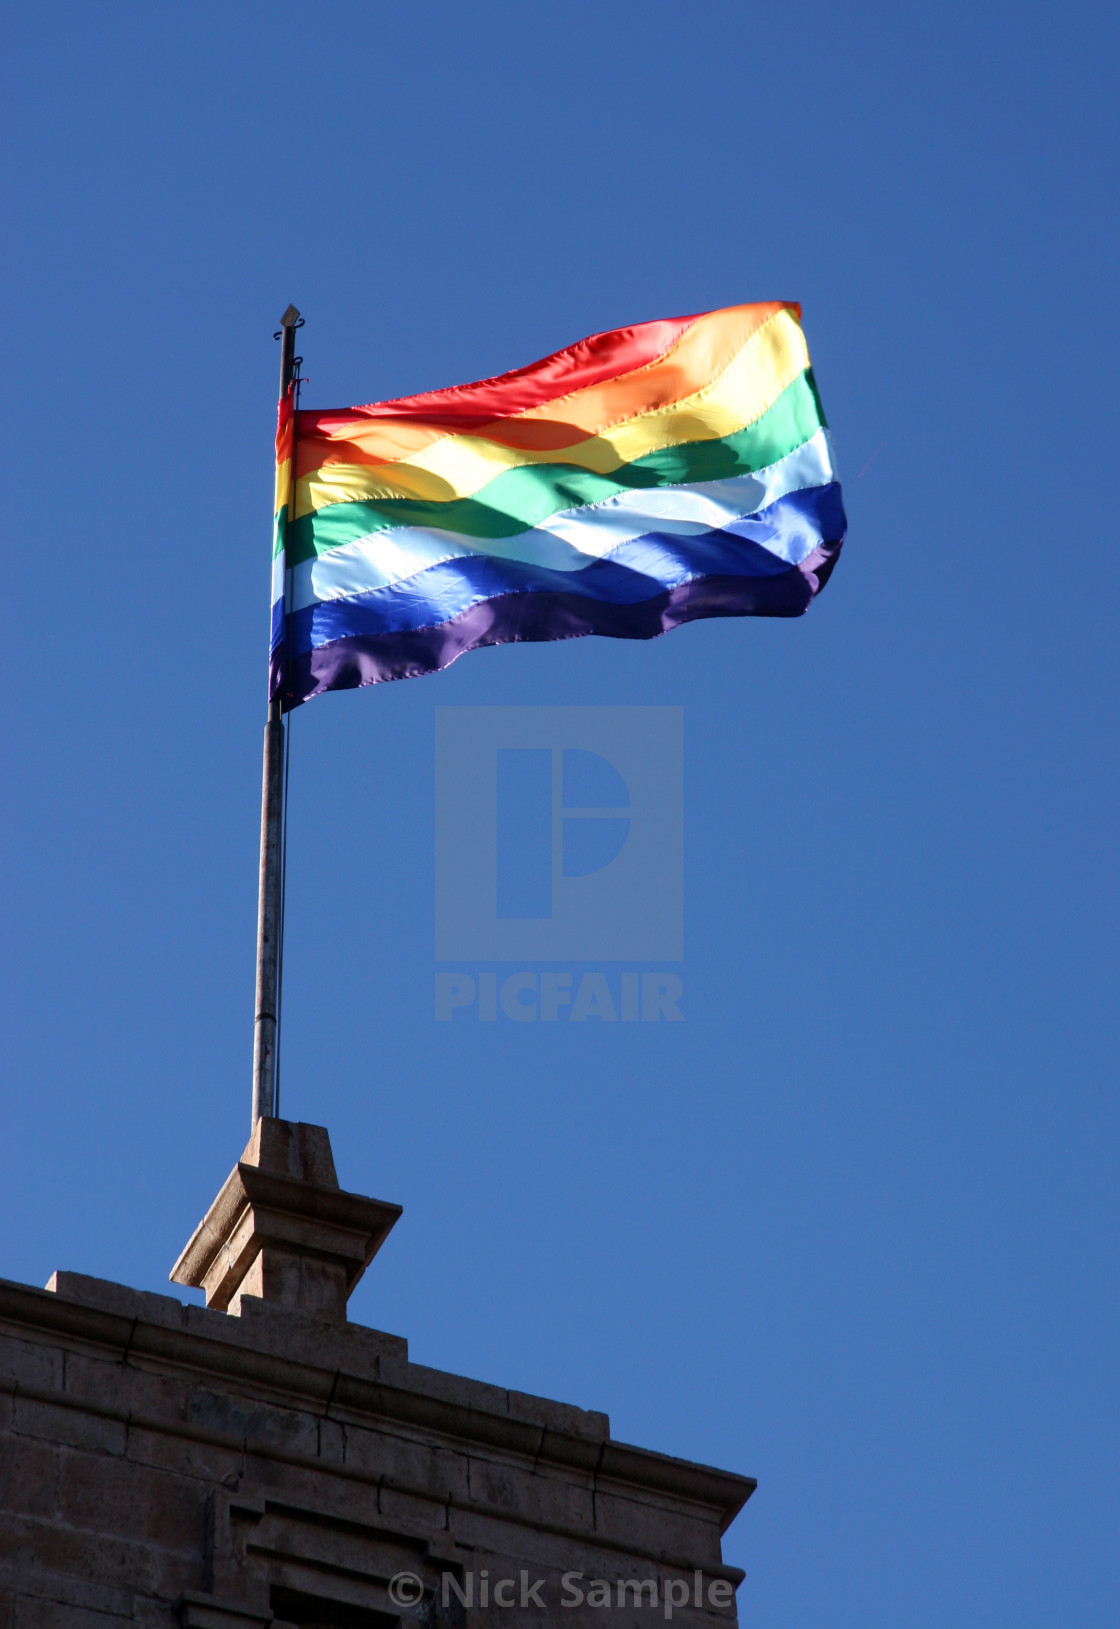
(360, 659)
(566, 541)
(635, 572)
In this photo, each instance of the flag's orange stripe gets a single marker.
(699, 354)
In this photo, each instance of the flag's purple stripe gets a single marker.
(636, 571)
(361, 659)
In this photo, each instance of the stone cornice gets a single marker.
(292, 1358)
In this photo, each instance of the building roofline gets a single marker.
(351, 1370)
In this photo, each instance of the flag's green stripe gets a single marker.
(523, 497)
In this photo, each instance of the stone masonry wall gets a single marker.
(166, 1465)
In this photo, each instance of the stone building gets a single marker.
(261, 1461)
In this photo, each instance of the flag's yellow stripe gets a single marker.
(283, 484)
(458, 466)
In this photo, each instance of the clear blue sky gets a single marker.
(850, 1227)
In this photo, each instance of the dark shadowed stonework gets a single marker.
(168, 1465)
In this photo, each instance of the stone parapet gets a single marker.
(164, 1465)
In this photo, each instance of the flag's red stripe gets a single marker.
(467, 407)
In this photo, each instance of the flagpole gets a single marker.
(269, 898)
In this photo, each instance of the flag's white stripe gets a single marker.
(572, 539)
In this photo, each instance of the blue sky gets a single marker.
(851, 1226)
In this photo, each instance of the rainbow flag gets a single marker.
(640, 479)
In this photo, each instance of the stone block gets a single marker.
(563, 1417)
(292, 1148)
(72, 1426)
(313, 1539)
(28, 1476)
(411, 1509)
(105, 1296)
(105, 1383)
(30, 1363)
(174, 1571)
(656, 1529)
(132, 1387)
(308, 1486)
(33, 1612)
(436, 1472)
(185, 1455)
(211, 1323)
(149, 1612)
(38, 1555)
(258, 1425)
(295, 1279)
(198, 1611)
(112, 1496)
(291, 1332)
(485, 1534)
(359, 1344)
(457, 1389)
(70, 1589)
(502, 1486)
(282, 1229)
(332, 1442)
